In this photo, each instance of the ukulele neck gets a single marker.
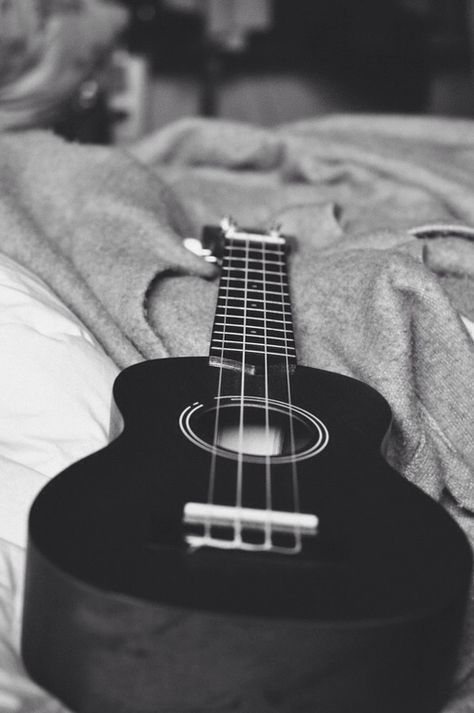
(253, 326)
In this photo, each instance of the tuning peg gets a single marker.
(275, 230)
(228, 225)
(195, 246)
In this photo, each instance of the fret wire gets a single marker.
(254, 290)
(223, 333)
(255, 285)
(253, 246)
(256, 309)
(270, 329)
(251, 351)
(281, 308)
(230, 263)
(242, 259)
(261, 319)
(255, 254)
(259, 290)
(253, 344)
(252, 269)
(250, 341)
(268, 292)
(252, 280)
(256, 258)
(255, 299)
(254, 336)
(258, 263)
(239, 263)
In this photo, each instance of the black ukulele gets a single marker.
(243, 546)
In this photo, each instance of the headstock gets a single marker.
(211, 245)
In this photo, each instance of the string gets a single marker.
(294, 474)
(240, 455)
(268, 482)
(212, 476)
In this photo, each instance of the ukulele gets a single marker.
(243, 546)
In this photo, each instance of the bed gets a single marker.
(95, 276)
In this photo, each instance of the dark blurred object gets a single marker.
(380, 48)
(52, 58)
(171, 39)
(451, 32)
(86, 116)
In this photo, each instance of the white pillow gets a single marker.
(55, 392)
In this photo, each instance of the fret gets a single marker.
(251, 339)
(231, 350)
(281, 307)
(252, 303)
(239, 312)
(259, 319)
(227, 289)
(241, 264)
(253, 280)
(237, 263)
(227, 299)
(247, 290)
(232, 259)
(256, 258)
(252, 351)
(244, 310)
(254, 247)
(252, 334)
(245, 342)
(253, 284)
(251, 328)
(250, 270)
(254, 299)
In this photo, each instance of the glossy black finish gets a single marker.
(120, 616)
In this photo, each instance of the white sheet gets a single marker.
(55, 399)
(55, 392)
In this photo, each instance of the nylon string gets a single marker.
(240, 455)
(294, 474)
(212, 476)
(268, 474)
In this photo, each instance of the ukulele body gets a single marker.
(122, 616)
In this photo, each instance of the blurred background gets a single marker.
(111, 72)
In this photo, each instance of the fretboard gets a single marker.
(253, 323)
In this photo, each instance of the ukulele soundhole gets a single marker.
(255, 429)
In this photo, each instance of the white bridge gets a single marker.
(208, 515)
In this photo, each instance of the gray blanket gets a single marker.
(104, 228)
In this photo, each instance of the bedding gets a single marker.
(48, 418)
(94, 276)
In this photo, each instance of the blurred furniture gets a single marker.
(372, 54)
(273, 61)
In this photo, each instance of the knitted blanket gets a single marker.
(372, 300)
